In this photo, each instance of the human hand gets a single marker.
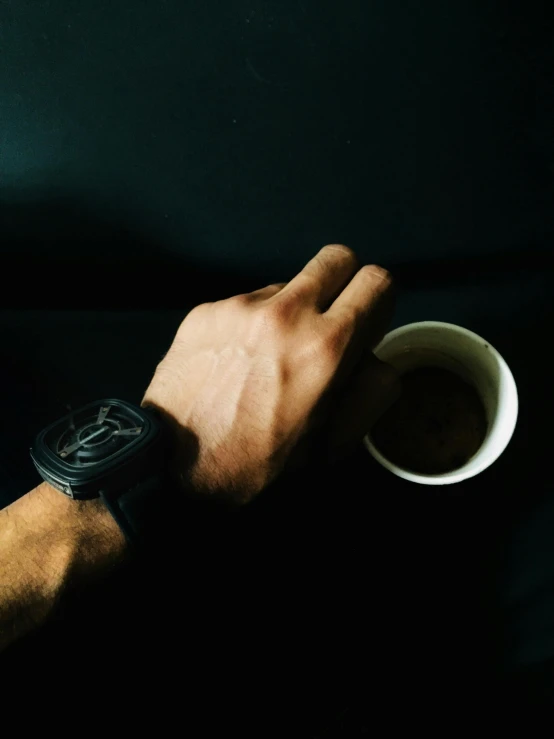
(249, 381)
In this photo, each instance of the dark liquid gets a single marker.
(438, 423)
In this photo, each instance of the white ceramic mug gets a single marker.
(435, 344)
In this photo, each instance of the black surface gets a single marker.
(432, 591)
(242, 136)
(157, 154)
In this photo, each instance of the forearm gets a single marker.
(47, 544)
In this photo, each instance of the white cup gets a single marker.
(435, 344)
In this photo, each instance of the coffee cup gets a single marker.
(445, 346)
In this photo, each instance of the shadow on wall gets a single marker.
(64, 253)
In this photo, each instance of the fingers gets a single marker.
(372, 389)
(368, 301)
(332, 283)
(267, 292)
(323, 278)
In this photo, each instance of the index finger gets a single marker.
(368, 302)
(325, 275)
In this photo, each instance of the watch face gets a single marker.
(94, 434)
(96, 443)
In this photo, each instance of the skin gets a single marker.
(250, 386)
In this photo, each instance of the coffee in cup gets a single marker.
(457, 410)
(437, 424)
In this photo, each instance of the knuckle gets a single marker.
(277, 314)
(233, 306)
(332, 252)
(332, 348)
(339, 249)
(329, 346)
(197, 313)
(200, 309)
(342, 329)
(238, 301)
(346, 319)
(374, 271)
(299, 295)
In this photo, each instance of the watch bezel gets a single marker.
(123, 469)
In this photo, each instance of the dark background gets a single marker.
(156, 154)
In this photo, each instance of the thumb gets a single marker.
(372, 389)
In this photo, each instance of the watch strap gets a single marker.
(138, 509)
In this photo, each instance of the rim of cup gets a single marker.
(497, 438)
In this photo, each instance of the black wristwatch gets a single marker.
(114, 450)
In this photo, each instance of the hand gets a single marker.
(248, 381)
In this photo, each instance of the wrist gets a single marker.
(48, 543)
(200, 474)
(73, 538)
(87, 531)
